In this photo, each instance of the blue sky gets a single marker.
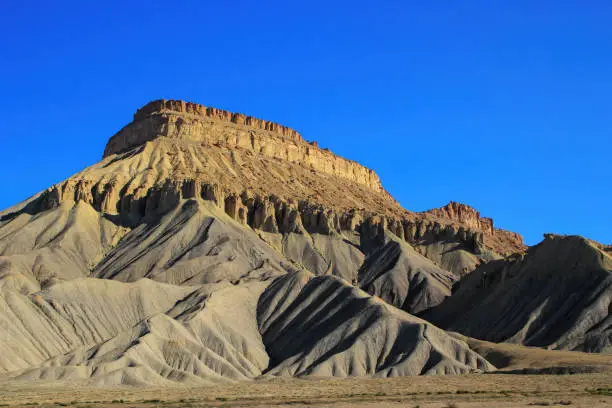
(505, 106)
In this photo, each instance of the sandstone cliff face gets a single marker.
(503, 241)
(210, 126)
(220, 114)
(464, 214)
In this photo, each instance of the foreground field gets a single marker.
(490, 390)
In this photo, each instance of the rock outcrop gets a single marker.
(267, 213)
(210, 126)
(465, 215)
(502, 241)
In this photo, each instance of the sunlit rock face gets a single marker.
(210, 126)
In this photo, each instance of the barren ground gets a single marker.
(485, 390)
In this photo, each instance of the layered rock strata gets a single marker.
(262, 174)
(210, 126)
(266, 213)
(464, 214)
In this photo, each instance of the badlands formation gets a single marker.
(209, 246)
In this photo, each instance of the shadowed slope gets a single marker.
(399, 275)
(323, 327)
(558, 295)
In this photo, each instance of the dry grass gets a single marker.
(475, 391)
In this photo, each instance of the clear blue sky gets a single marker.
(506, 106)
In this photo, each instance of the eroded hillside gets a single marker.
(210, 246)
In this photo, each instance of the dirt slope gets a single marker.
(558, 295)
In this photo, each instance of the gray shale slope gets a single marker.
(557, 295)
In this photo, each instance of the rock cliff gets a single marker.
(261, 173)
(464, 214)
(210, 126)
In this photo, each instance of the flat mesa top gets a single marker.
(163, 105)
(190, 122)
